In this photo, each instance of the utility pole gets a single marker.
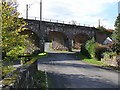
(26, 11)
(41, 30)
(40, 10)
(99, 23)
(40, 15)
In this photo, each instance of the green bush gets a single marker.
(85, 52)
(99, 50)
(93, 50)
(109, 54)
(90, 46)
(18, 50)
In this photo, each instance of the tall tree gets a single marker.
(116, 35)
(12, 41)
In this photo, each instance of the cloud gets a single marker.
(82, 11)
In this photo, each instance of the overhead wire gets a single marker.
(29, 5)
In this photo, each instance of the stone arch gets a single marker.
(79, 39)
(32, 36)
(59, 40)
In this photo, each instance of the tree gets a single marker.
(116, 35)
(74, 22)
(12, 42)
(104, 30)
(101, 28)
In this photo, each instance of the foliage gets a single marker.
(99, 50)
(116, 35)
(93, 49)
(104, 30)
(101, 28)
(94, 62)
(84, 51)
(7, 69)
(109, 54)
(14, 75)
(90, 46)
(74, 22)
(18, 49)
(12, 41)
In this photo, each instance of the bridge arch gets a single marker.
(32, 36)
(79, 39)
(59, 40)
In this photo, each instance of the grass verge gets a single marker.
(94, 61)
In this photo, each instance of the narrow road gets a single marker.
(67, 71)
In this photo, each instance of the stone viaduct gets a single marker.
(63, 36)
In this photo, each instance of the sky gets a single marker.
(86, 12)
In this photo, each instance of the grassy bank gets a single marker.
(92, 61)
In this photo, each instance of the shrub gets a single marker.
(93, 50)
(18, 50)
(109, 54)
(99, 50)
(84, 51)
(90, 46)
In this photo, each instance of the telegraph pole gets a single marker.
(99, 23)
(41, 30)
(40, 14)
(26, 11)
(40, 10)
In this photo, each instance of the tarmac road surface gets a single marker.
(67, 71)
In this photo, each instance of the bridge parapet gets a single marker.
(60, 21)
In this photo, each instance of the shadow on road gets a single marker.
(79, 81)
(62, 56)
(65, 70)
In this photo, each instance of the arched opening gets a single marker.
(33, 39)
(79, 39)
(59, 40)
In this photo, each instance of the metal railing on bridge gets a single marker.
(60, 21)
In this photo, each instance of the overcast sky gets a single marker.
(82, 11)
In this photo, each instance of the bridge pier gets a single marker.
(41, 44)
(70, 44)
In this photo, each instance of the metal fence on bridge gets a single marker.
(72, 22)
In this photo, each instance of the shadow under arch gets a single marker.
(80, 39)
(59, 40)
(32, 37)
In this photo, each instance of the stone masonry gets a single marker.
(65, 35)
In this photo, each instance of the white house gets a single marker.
(107, 41)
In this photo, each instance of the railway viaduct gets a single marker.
(63, 36)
